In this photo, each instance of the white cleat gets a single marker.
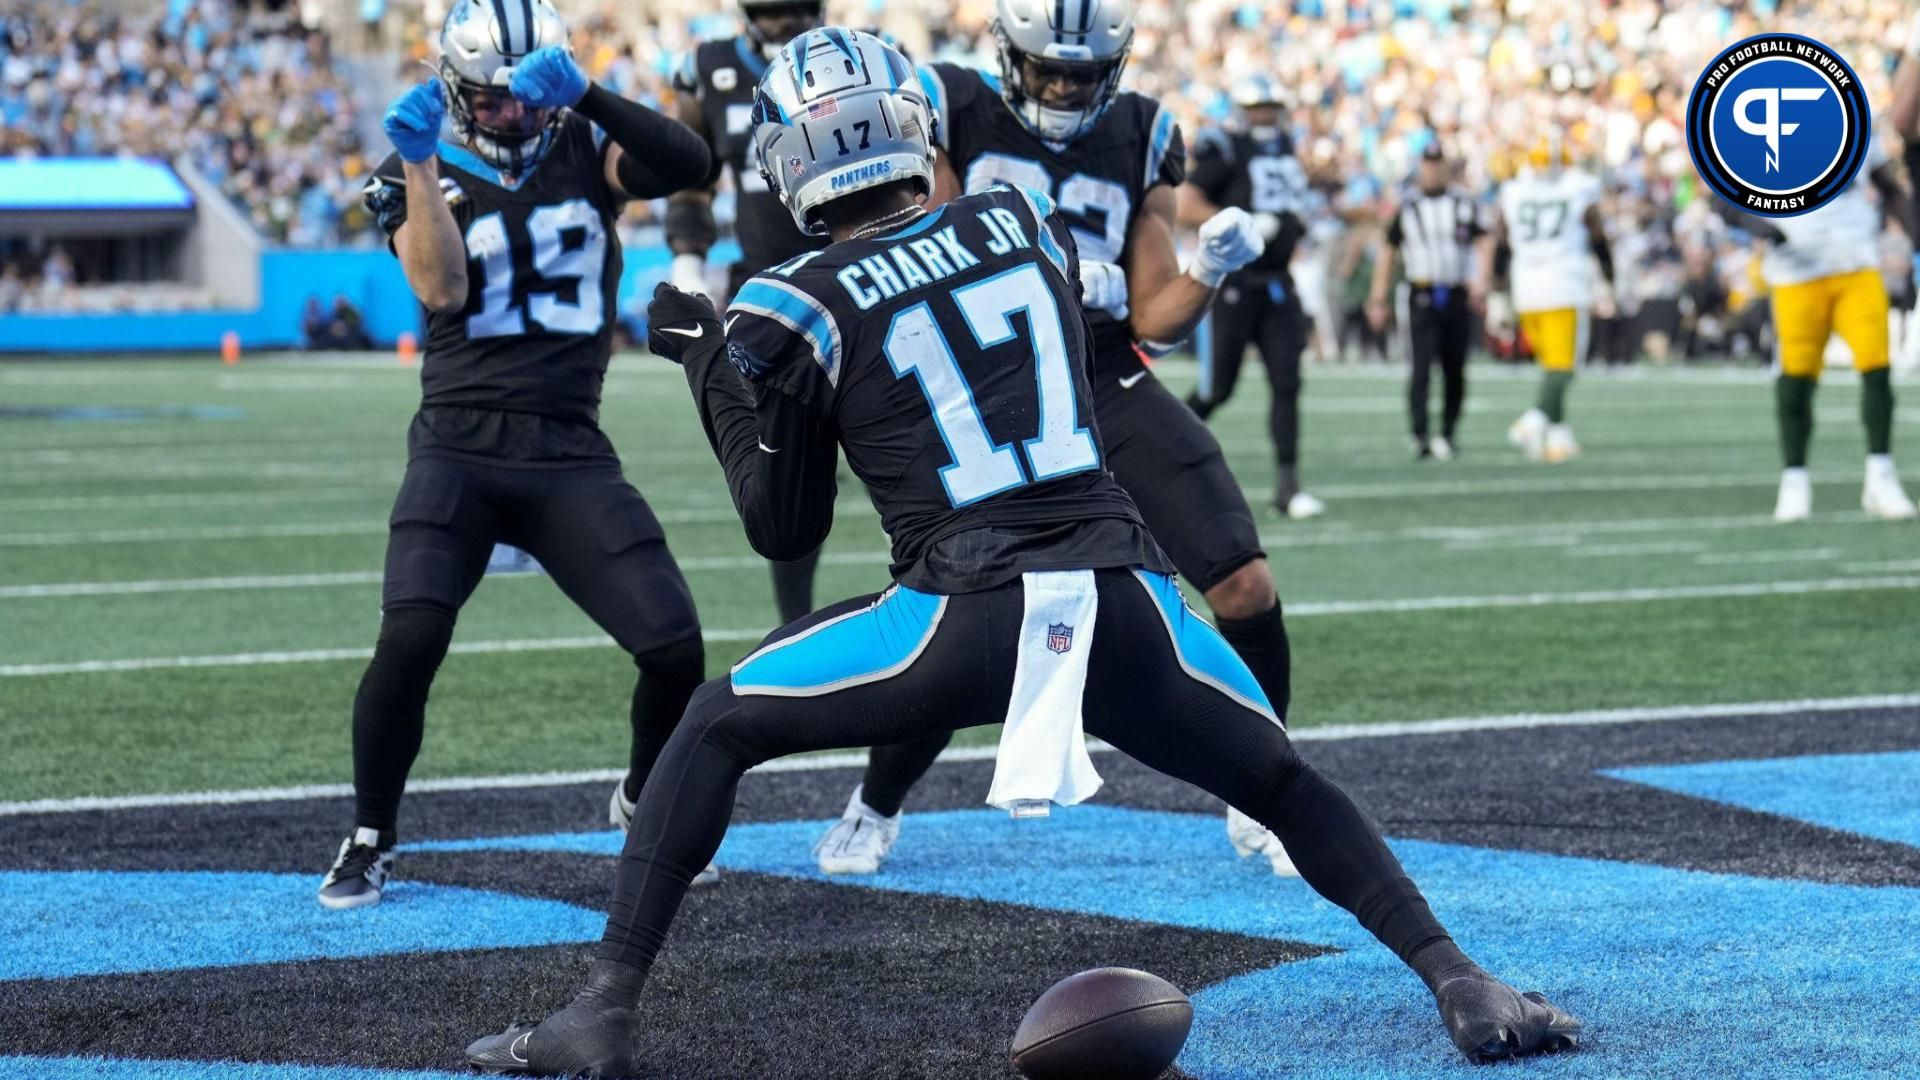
(1440, 448)
(1795, 502)
(1303, 506)
(1249, 837)
(1529, 433)
(1560, 446)
(620, 816)
(859, 842)
(1882, 496)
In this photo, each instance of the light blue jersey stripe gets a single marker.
(798, 312)
(860, 647)
(936, 89)
(1042, 208)
(1203, 653)
(1162, 138)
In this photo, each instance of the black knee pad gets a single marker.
(415, 636)
(412, 642)
(684, 659)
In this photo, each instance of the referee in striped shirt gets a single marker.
(1436, 231)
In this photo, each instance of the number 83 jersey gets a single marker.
(543, 266)
(1098, 181)
(949, 358)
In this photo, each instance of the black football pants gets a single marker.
(1439, 328)
(1263, 311)
(597, 539)
(1140, 696)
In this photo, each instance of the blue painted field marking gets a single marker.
(1874, 795)
(63, 924)
(1677, 972)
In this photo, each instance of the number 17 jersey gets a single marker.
(949, 358)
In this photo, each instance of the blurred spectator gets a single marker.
(251, 97)
(341, 328)
(260, 103)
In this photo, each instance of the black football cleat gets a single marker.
(1491, 1021)
(596, 1036)
(577, 1041)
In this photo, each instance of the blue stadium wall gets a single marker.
(370, 279)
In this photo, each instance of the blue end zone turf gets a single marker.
(1675, 972)
(76, 1068)
(1874, 795)
(101, 922)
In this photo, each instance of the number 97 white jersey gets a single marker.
(1547, 232)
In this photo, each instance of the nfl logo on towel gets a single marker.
(1059, 637)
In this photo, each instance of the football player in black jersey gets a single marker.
(1253, 167)
(506, 234)
(947, 354)
(1056, 122)
(715, 96)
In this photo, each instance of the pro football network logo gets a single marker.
(1778, 124)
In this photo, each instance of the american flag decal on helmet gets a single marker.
(1059, 637)
(823, 108)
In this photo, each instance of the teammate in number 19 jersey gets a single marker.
(506, 234)
(946, 354)
(1055, 121)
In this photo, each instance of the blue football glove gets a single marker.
(548, 79)
(413, 121)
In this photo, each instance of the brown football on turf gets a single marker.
(1104, 1024)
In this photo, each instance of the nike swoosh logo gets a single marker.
(1127, 382)
(729, 327)
(695, 332)
(519, 1048)
(767, 448)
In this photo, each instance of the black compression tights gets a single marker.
(1138, 698)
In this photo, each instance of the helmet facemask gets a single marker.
(499, 129)
(1028, 80)
(480, 43)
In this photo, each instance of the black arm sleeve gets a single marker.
(660, 154)
(1899, 205)
(780, 457)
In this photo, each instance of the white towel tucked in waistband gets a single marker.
(1043, 749)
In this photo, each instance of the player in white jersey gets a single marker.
(1823, 276)
(1549, 218)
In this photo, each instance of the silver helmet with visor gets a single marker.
(1061, 61)
(840, 111)
(480, 44)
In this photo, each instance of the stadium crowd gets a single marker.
(260, 104)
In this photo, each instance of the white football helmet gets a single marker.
(1086, 41)
(480, 43)
(839, 111)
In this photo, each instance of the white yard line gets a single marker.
(1650, 547)
(1744, 558)
(816, 762)
(193, 500)
(1889, 566)
(1302, 610)
(1604, 596)
(205, 532)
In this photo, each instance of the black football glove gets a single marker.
(677, 321)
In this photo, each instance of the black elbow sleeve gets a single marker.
(690, 226)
